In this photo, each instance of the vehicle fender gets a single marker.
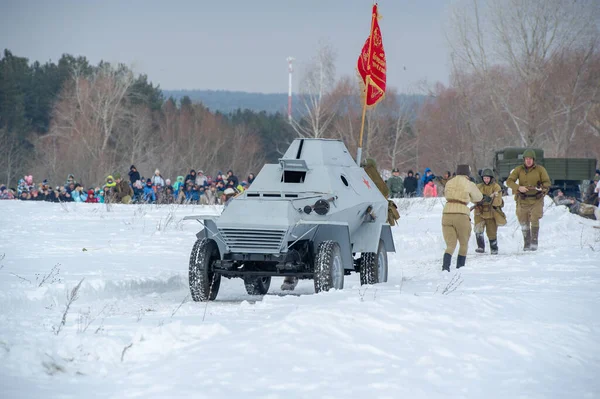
(210, 231)
(387, 238)
(339, 233)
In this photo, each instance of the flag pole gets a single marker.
(367, 82)
(362, 123)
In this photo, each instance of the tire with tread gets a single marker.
(371, 272)
(204, 283)
(257, 285)
(329, 257)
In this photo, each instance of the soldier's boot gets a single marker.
(447, 260)
(460, 262)
(526, 237)
(289, 283)
(494, 247)
(480, 243)
(535, 230)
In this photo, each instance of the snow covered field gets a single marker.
(517, 325)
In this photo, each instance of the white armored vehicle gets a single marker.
(315, 215)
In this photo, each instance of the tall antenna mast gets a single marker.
(290, 71)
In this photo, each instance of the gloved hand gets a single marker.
(486, 199)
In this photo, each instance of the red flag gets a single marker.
(371, 63)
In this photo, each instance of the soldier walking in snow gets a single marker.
(484, 212)
(456, 223)
(533, 184)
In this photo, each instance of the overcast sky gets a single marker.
(229, 44)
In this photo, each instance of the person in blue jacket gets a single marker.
(427, 177)
(78, 194)
(149, 194)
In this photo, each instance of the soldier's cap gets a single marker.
(487, 172)
(464, 170)
(395, 170)
(529, 154)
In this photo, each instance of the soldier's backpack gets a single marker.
(393, 213)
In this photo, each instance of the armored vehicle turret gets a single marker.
(315, 215)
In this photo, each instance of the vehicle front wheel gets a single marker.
(204, 282)
(329, 269)
(257, 285)
(374, 266)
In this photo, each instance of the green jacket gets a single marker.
(536, 176)
(395, 185)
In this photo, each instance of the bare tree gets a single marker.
(574, 79)
(87, 119)
(316, 86)
(11, 155)
(593, 119)
(401, 143)
(346, 124)
(510, 45)
(138, 144)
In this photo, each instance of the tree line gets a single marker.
(524, 73)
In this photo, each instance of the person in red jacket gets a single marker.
(91, 198)
(430, 190)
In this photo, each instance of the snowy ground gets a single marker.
(517, 325)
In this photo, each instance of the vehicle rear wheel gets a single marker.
(204, 283)
(257, 285)
(329, 269)
(374, 266)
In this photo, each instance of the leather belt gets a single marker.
(453, 201)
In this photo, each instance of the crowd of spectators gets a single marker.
(194, 188)
(198, 188)
(414, 185)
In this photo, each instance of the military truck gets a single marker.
(565, 173)
(314, 215)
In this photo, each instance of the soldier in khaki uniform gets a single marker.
(484, 212)
(456, 223)
(533, 185)
(122, 191)
(370, 167)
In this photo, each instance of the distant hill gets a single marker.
(229, 101)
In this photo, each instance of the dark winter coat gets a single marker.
(134, 176)
(65, 197)
(234, 179)
(191, 176)
(51, 196)
(410, 185)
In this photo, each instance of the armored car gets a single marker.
(314, 215)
